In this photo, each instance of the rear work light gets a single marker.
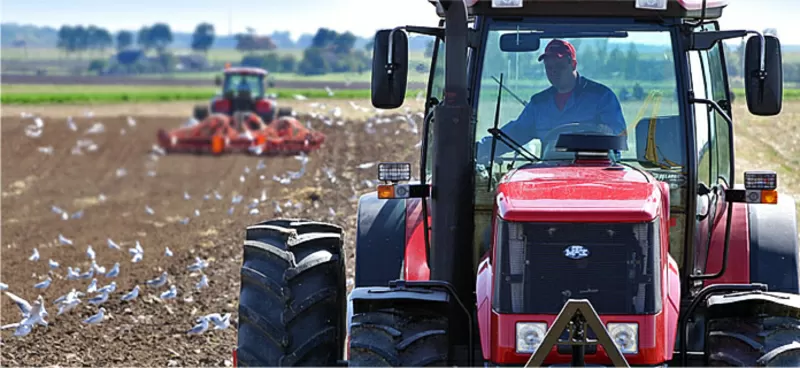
(394, 171)
(760, 180)
(506, 3)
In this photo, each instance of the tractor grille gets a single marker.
(542, 265)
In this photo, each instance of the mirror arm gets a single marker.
(431, 31)
(762, 74)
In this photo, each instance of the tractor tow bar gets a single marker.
(576, 316)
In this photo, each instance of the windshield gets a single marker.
(244, 82)
(605, 79)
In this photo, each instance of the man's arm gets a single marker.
(521, 130)
(610, 112)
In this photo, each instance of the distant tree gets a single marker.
(314, 62)
(160, 36)
(288, 64)
(246, 42)
(203, 37)
(98, 38)
(343, 43)
(323, 38)
(124, 40)
(144, 39)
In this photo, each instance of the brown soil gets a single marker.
(149, 331)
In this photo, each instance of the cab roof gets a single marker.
(688, 9)
(245, 70)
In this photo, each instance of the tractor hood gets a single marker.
(579, 193)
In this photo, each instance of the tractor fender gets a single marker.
(774, 254)
(380, 240)
(368, 298)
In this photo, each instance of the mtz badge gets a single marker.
(576, 252)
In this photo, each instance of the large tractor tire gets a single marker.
(292, 301)
(762, 341)
(398, 338)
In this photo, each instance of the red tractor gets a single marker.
(244, 89)
(576, 225)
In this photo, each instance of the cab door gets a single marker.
(712, 134)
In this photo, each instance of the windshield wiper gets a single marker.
(498, 134)
(509, 91)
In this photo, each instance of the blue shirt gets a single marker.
(590, 102)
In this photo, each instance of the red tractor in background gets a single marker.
(243, 89)
(539, 244)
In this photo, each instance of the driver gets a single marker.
(572, 98)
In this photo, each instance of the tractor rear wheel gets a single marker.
(200, 113)
(292, 301)
(398, 337)
(765, 341)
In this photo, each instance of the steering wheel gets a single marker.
(549, 139)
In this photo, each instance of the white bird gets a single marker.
(97, 268)
(3, 286)
(36, 313)
(132, 294)
(53, 264)
(114, 271)
(167, 252)
(136, 258)
(35, 256)
(200, 327)
(149, 210)
(170, 294)
(112, 244)
(99, 299)
(22, 329)
(159, 281)
(73, 274)
(186, 196)
(22, 304)
(220, 322)
(198, 265)
(70, 302)
(63, 240)
(87, 275)
(90, 252)
(202, 283)
(92, 286)
(97, 318)
(44, 284)
(110, 288)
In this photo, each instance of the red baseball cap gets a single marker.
(559, 49)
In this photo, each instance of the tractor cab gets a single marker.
(243, 89)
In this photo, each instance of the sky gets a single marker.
(306, 16)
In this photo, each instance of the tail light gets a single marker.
(222, 105)
(217, 144)
(235, 360)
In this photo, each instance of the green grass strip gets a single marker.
(120, 95)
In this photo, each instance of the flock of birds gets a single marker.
(35, 313)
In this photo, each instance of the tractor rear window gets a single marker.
(541, 265)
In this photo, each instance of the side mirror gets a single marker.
(389, 69)
(520, 42)
(764, 91)
(217, 81)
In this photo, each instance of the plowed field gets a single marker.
(114, 179)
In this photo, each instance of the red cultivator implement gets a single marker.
(241, 133)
